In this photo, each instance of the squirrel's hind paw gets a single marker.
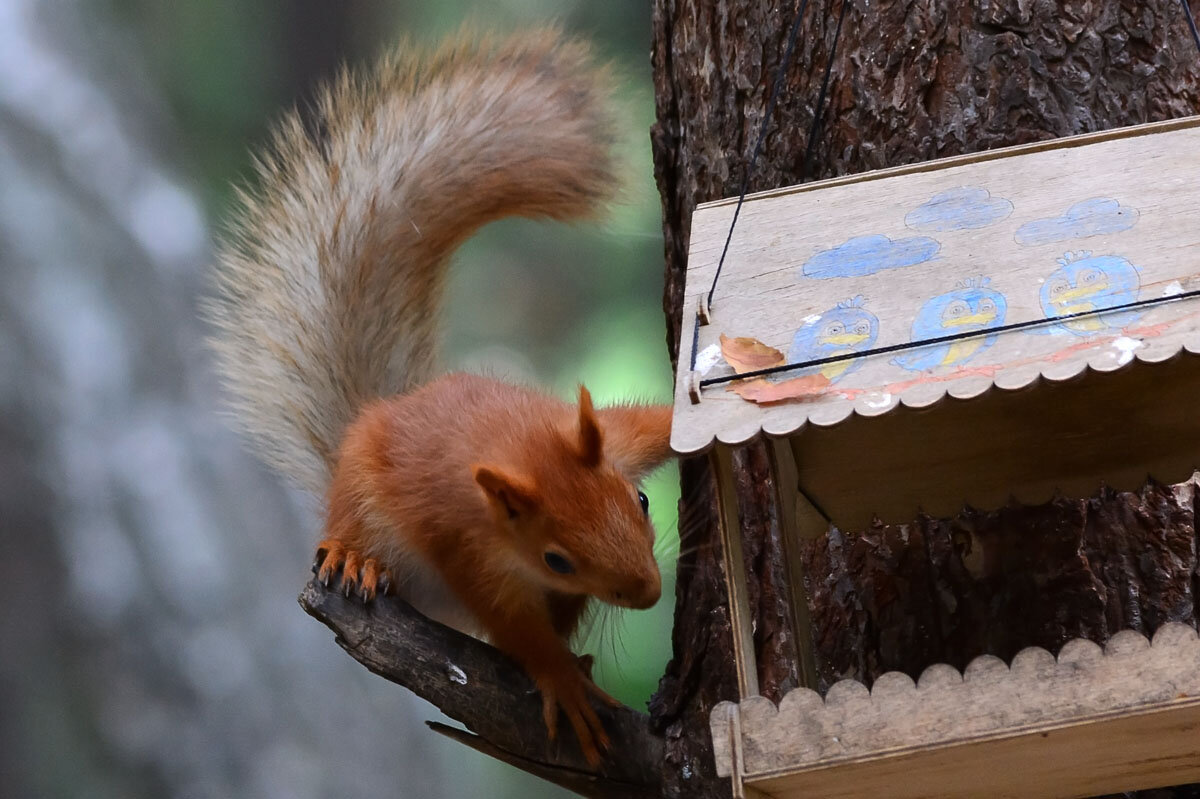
(361, 577)
(570, 695)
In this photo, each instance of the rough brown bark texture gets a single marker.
(911, 82)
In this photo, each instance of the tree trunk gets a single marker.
(911, 82)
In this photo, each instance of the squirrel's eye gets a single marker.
(558, 563)
(645, 500)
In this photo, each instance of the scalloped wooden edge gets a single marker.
(989, 703)
(783, 420)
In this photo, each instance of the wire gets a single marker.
(780, 74)
(1191, 21)
(911, 345)
(819, 111)
(695, 343)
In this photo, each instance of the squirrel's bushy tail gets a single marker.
(330, 280)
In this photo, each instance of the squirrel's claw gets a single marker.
(550, 714)
(350, 573)
(330, 555)
(361, 577)
(370, 579)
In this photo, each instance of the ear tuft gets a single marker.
(638, 437)
(515, 496)
(591, 439)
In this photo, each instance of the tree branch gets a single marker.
(485, 690)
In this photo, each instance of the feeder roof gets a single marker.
(1006, 260)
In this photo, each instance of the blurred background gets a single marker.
(150, 640)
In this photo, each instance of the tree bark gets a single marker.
(911, 82)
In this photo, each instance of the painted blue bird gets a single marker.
(844, 329)
(972, 306)
(1084, 282)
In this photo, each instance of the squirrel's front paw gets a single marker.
(569, 691)
(360, 576)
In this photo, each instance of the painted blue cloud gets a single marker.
(866, 255)
(964, 208)
(1094, 217)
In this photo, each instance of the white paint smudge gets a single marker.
(879, 400)
(1172, 288)
(456, 674)
(811, 318)
(707, 358)
(1126, 346)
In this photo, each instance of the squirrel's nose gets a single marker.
(643, 592)
(653, 591)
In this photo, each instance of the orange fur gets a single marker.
(477, 480)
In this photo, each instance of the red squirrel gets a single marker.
(492, 507)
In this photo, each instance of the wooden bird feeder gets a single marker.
(1004, 325)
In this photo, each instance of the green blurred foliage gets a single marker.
(550, 304)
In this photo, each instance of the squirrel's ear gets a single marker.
(512, 495)
(637, 437)
(591, 440)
